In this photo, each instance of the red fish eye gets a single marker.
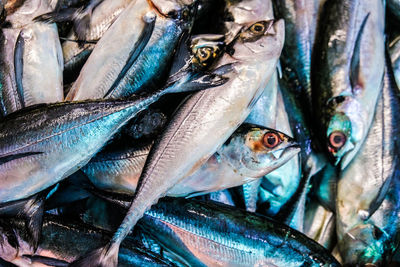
(271, 140)
(337, 139)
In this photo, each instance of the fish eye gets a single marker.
(337, 139)
(271, 140)
(257, 28)
(204, 53)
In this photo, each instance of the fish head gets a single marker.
(260, 40)
(364, 244)
(345, 129)
(254, 151)
(181, 10)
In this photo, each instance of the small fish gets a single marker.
(244, 157)
(124, 62)
(195, 231)
(220, 111)
(365, 184)
(35, 138)
(345, 85)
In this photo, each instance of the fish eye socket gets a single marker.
(337, 139)
(257, 28)
(271, 140)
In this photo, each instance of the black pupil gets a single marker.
(258, 28)
(203, 53)
(337, 139)
(271, 140)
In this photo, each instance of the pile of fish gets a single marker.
(199, 133)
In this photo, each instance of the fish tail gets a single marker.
(106, 256)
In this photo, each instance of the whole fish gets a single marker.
(345, 85)
(364, 184)
(232, 164)
(178, 151)
(63, 242)
(33, 140)
(196, 232)
(125, 61)
(31, 66)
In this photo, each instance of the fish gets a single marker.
(301, 19)
(118, 171)
(345, 86)
(124, 62)
(218, 111)
(75, 53)
(278, 186)
(63, 241)
(35, 138)
(195, 231)
(31, 66)
(21, 13)
(370, 184)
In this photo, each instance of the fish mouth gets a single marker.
(286, 153)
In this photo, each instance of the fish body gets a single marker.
(63, 242)
(35, 139)
(370, 184)
(122, 62)
(119, 170)
(196, 232)
(101, 19)
(345, 85)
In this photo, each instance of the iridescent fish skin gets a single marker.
(125, 61)
(301, 18)
(63, 242)
(373, 178)
(345, 85)
(196, 231)
(29, 10)
(101, 19)
(36, 138)
(232, 165)
(221, 111)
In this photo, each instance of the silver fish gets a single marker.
(231, 165)
(125, 61)
(178, 153)
(363, 185)
(345, 85)
(34, 139)
(32, 67)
